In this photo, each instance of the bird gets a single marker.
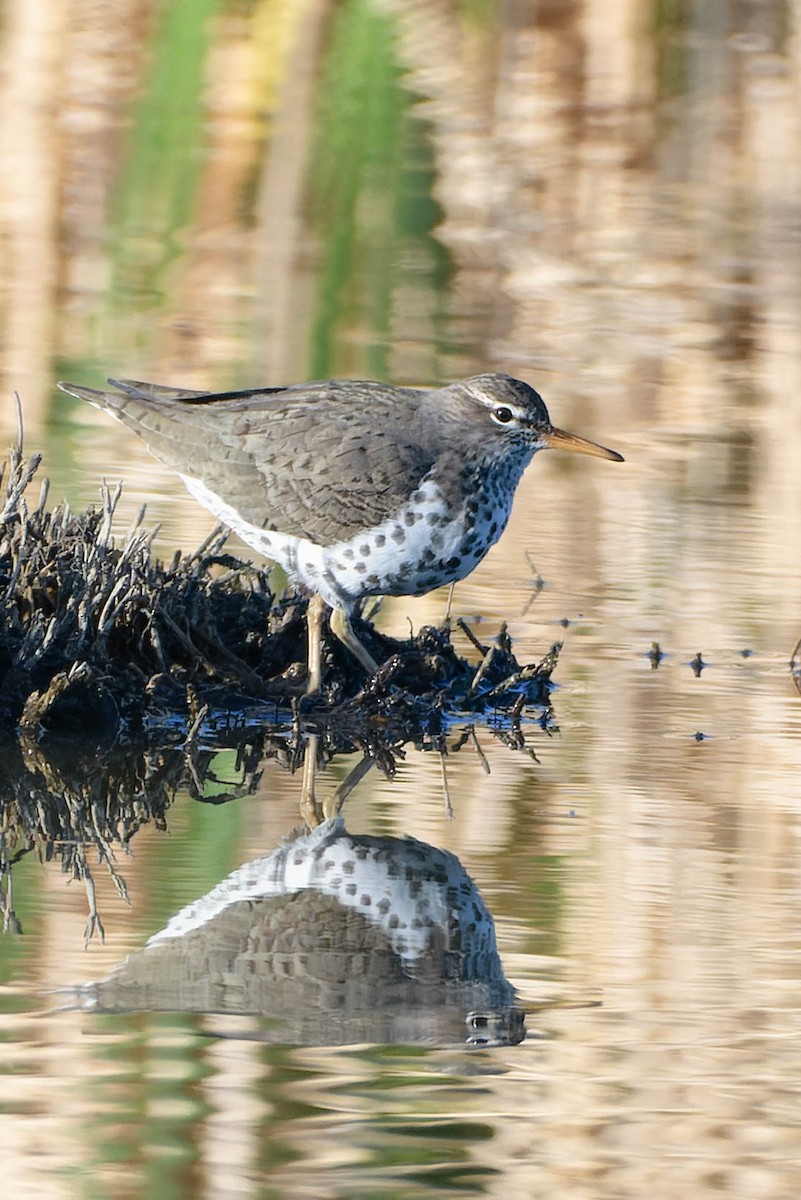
(356, 488)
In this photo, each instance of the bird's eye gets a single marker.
(502, 415)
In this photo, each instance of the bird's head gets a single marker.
(513, 416)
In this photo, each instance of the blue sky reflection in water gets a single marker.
(602, 201)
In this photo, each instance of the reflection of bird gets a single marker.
(356, 489)
(407, 888)
(343, 938)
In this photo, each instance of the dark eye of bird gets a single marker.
(503, 415)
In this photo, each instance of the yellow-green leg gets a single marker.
(309, 808)
(342, 628)
(314, 621)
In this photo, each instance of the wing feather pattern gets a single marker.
(315, 460)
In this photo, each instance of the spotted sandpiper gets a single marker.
(356, 489)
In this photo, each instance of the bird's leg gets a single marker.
(314, 623)
(332, 805)
(309, 808)
(342, 628)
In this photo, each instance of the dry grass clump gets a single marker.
(92, 633)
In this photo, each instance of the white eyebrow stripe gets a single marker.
(521, 413)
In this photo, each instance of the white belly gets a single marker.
(407, 555)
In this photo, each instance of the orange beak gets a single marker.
(558, 439)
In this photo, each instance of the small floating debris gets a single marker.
(655, 654)
(795, 665)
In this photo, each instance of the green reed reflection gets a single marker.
(370, 192)
(158, 182)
